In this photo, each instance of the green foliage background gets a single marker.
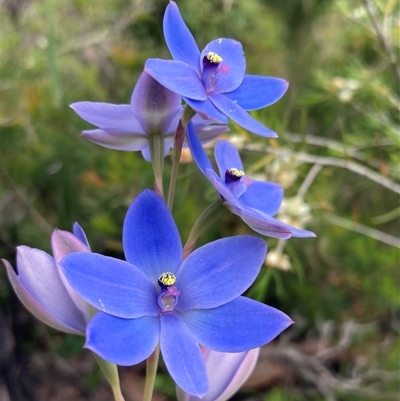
(344, 90)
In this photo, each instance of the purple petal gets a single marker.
(261, 222)
(63, 243)
(207, 133)
(106, 115)
(267, 225)
(123, 341)
(299, 233)
(256, 92)
(146, 152)
(177, 77)
(80, 234)
(111, 285)
(198, 153)
(263, 196)
(226, 373)
(227, 156)
(150, 237)
(209, 276)
(240, 116)
(179, 40)
(154, 105)
(231, 70)
(240, 325)
(206, 110)
(118, 140)
(174, 124)
(182, 355)
(40, 289)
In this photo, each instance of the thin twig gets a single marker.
(365, 230)
(331, 161)
(382, 36)
(312, 174)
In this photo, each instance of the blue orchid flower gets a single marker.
(213, 82)
(255, 202)
(155, 297)
(153, 109)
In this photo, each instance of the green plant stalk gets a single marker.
(157, 159)
(110, 372)
(210, 215)
(151, 373)
(187, 115)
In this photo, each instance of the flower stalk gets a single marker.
(151, 374)
(209, 216)
(187, 115)
(156, 143)
(110, 372)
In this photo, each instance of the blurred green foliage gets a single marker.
(341, 108)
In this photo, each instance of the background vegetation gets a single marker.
(337, 157)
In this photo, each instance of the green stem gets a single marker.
(176, 157)
(209, 216)
(187, 114)
(110, 372)
(156, 141)
(151, 374)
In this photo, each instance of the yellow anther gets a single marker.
(166, 279)
(214, 58)
(234, 172)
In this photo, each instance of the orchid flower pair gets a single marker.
(191, 307)
(136, 312)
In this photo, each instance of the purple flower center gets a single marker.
(211, 62)
(237, 181)
(232, 175)
(168, 298)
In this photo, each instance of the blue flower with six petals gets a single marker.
(253, 201)
(153, 109)
(213, 82)
(154, 296)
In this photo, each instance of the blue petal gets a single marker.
(177, 77)
(257, 92)
(231, 70)
(80, 234)
(179, 40)
(263, 196)
(182, 356)
(240, 325)
(223, 189)
(207, 110)
(116, 139)
(262, 223)
(111, 285)
(219, 272)
(150, 237)
(267, 225)
(198, 153)
(123, 341)
(154, 105)
(207, 133)
(240, 116)
(227, 156)
(106, 115)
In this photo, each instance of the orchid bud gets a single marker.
(226, 373)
